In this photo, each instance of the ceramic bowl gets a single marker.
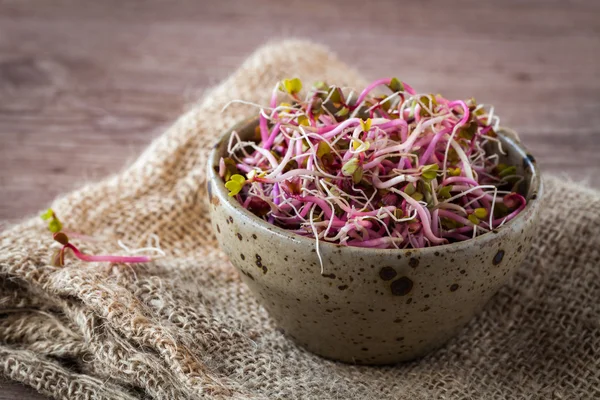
(370, 306)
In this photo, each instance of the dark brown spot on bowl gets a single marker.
(330, 276)
(498, 257)
(248, 274)
(401, 286)
(343, 287)
(454, 287)
(218, 229)
(254, 236)
(326, 297)
(409, 300)
(230, 219)
(259, 263)
(387, 273)
(243, 257)
(413, 262)
(239, 236)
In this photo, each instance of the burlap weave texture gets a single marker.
(185, 327)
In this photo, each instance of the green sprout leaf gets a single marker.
(365, 125)
(454, 171)
(500, 210)
(480, 213)
(429, 172)
(479, 112)
(357, 175)
(230, 168)
(418, 196)
(396, 85)
(473, 218)
(323, 149)
(315, 108)
(320, 86)
(359, 146)
(350, 167)
(508, 171)
(335, 96)
(444, 192)
(425, 188)
(410, 189)
(292, 86)
(54, 226)
(235, 184)
(47, 214)
(428, 103)
(303, 120)
(468, 132)
(342, 112)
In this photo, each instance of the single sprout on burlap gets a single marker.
(58, 256)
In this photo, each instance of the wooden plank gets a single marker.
(13, 391)
(85, 86)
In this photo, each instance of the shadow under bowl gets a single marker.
(371, 306)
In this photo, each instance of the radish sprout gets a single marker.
(58, 257)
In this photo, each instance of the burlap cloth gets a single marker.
(185, 327)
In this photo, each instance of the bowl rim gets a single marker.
(218, 188)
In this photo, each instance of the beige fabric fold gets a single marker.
(185, 327)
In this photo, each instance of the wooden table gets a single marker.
(86, 85)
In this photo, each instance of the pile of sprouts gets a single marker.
(382, 170)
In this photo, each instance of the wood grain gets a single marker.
(85, 85)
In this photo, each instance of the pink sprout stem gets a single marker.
(112, 259)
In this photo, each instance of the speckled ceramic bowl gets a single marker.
(371, 306)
